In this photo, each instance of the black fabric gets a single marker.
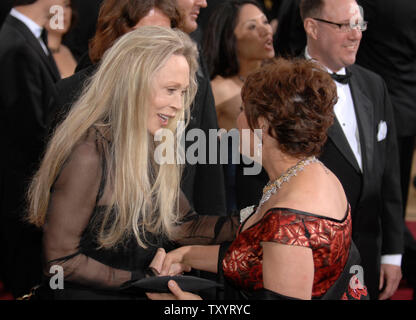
(341, 78)
(26, 87)
(5, 7)
(83, 31)
(265, 294)
(290, 38)
(78, 201)
(203, 184)
(159, 284)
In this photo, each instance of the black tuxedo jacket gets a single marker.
(388, 47)
(27, 80)
(203, 184)
(374, 193)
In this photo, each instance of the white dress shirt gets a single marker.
(345, 113)
(33, 27)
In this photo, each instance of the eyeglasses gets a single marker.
(347, 27)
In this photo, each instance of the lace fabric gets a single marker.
(79, 195)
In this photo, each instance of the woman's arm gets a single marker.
(288, 270)
(72, 203)
(203, 258)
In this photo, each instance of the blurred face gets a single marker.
(155, 17)
(253, 34)
(189, 11)
(169, 85)
(336, 49)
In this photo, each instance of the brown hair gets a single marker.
(296, 97)
(310, 8)
(117, 17)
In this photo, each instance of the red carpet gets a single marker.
(403, 293)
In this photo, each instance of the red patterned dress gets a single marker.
(329, 239)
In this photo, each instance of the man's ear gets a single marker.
(311, 28)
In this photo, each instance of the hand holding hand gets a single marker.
(171, 263)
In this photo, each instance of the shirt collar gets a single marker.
(32, 25)
(308, 57)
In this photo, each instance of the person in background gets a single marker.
(203, 183)
(64, 58)
(27, 83)
(362, 146)
(296, 243)
(393, 57)
(236, 42)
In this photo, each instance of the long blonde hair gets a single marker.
(145, 194)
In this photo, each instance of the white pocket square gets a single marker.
(382, 131)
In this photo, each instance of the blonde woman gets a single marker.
(104, 203)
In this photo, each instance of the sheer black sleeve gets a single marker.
(195, 229)
(73, 200)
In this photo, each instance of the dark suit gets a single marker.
(26, 85)
(388, 47)
(393, 57)
(203, 184)
(5, 7)
(374, 193)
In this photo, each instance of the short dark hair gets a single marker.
(310, 8)
(219, 42)
(23, 2)
(297, 98)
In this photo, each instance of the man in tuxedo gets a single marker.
(27, 77)
(202, 184)
(361, 148)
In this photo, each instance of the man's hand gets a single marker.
(177, 294)
(390, 276)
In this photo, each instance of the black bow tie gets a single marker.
(341, 78)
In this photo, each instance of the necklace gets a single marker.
(272, 186)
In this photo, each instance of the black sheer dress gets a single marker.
(79, 196)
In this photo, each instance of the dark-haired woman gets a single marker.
(239, 38)
(296, 243)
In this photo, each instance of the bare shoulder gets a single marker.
(316, 190)
(224, 89)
